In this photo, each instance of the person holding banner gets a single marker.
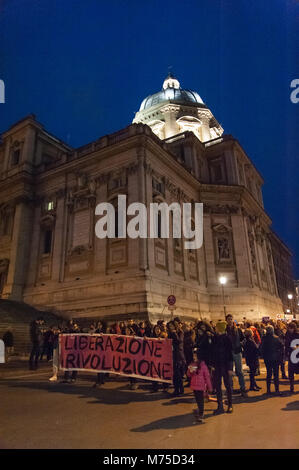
(71, 328)
(56, 332)
(159, 334)
(100, 380)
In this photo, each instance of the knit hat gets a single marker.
(221, 327)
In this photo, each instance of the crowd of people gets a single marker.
(205, 353)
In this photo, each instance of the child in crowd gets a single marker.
(200, 382)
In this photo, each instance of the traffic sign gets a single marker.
(171, 300)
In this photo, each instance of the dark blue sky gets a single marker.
(83, 67)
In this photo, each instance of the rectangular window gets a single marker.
(47, 242)
(49, 205)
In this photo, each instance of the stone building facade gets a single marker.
(175, 151)
(282, 258)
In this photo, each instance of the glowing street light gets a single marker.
(222, 281)
(290, 297)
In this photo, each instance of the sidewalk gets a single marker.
(19, 366)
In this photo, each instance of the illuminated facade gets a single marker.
(175, 151)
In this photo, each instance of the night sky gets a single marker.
(83, 67)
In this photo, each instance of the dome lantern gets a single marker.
(171, 82)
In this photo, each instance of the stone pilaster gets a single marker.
(58, 239)
(35, 248)
(209, 250)
(241, 250)
(19, 254)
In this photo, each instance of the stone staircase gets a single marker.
(18, 316)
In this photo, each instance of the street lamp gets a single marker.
(290, 297)
(222, 280)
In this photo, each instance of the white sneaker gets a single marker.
(53, 379)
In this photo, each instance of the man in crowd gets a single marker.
(236, 338)
(36, 336)
(222, 362)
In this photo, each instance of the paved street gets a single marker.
(38, 414)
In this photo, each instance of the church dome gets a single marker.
(171, 92)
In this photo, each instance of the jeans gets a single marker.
(272, 369)
(68, 375)
(291, 372)
(100, 378)
(178, 374)
(252, 372)
(237, 358)
(221, 371)
(199, 397)
(34, 356)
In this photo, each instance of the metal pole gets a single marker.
(224, 309)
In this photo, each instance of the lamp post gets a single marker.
(222, 280)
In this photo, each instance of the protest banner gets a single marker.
(145, 358)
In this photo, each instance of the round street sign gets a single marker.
(171, 300)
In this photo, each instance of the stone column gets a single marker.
(170, 115)
(35, 248)
(28, 148)
(170, 240)
(135, 194)
(20, 252)
(60, 221)
(205, 128)
(101, 244)
(149, 200)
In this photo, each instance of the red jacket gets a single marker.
(200, 379)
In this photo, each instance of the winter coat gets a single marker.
(200, 379)
(36, 335)
(272, 348)
(236, 337)
(204, 345)
(222, 355)
(177, 347)
(189, 342)
(251, 352)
